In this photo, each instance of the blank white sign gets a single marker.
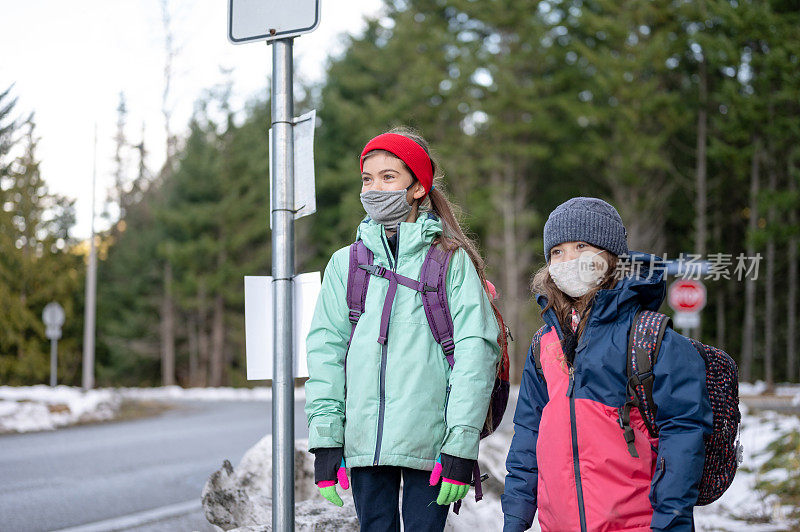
(253, 20)
(258, 296)
(305, 198)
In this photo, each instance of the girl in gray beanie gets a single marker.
(574, 457)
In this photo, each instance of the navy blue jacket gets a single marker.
(578, 472)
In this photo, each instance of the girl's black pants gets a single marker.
(376, 492)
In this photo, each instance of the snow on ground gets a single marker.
(760, 387)
(41, 407)
(31, 408)
(198, 394)
(790, 390)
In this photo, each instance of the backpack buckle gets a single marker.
(353, 316)
(449, 346)
(429, 288)
(374, 269)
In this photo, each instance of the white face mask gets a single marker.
(577, 276)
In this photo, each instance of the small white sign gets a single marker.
(305, 194)
(258, 300)
(53, 318)
(686, 320)
(267, 20)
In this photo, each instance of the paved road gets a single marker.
(143, 469)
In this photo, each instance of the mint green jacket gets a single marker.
(428, 408)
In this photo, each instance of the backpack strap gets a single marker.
(357, 283)
(644, 342)
(437, 310)
(535, 347)
(434, 301)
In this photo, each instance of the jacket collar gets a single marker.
(412, 237)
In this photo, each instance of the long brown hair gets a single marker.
(563, 304)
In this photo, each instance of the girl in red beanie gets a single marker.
(382, 398)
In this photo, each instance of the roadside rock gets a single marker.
(241, 499)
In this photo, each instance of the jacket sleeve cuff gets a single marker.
(461, 441)
(325, 432)
(512, 523)
(456, 468)
(663, 522)
(326, 463)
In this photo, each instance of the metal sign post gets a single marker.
(278, 22)
(282, 272)
(53, 318)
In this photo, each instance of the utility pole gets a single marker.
(91, 290)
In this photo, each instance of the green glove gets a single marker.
(450, 493)
(452, 489)
(329, 492)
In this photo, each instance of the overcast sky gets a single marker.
(70, 60)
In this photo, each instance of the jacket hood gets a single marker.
(642, 286)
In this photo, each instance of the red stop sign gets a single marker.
(687, 295)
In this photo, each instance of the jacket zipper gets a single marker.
(446, 400)
(575, 459)
(660, 473)
(384, 349)
(387, 251)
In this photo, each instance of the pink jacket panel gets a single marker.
(614, 484)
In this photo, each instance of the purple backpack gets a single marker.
(431, 287)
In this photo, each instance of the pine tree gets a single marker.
(39, 270)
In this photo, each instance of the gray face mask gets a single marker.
(387, 207)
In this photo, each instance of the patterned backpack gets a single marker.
(723, 452)
(431, 287)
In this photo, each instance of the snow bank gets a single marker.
(781, 390)
(755, 388)
(200, 394)
(31, 408)
(241, 499)
(41, 407)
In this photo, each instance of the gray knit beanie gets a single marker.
(589, 220)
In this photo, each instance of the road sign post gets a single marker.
(53, 318)
(278, 22)
(282, 272)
